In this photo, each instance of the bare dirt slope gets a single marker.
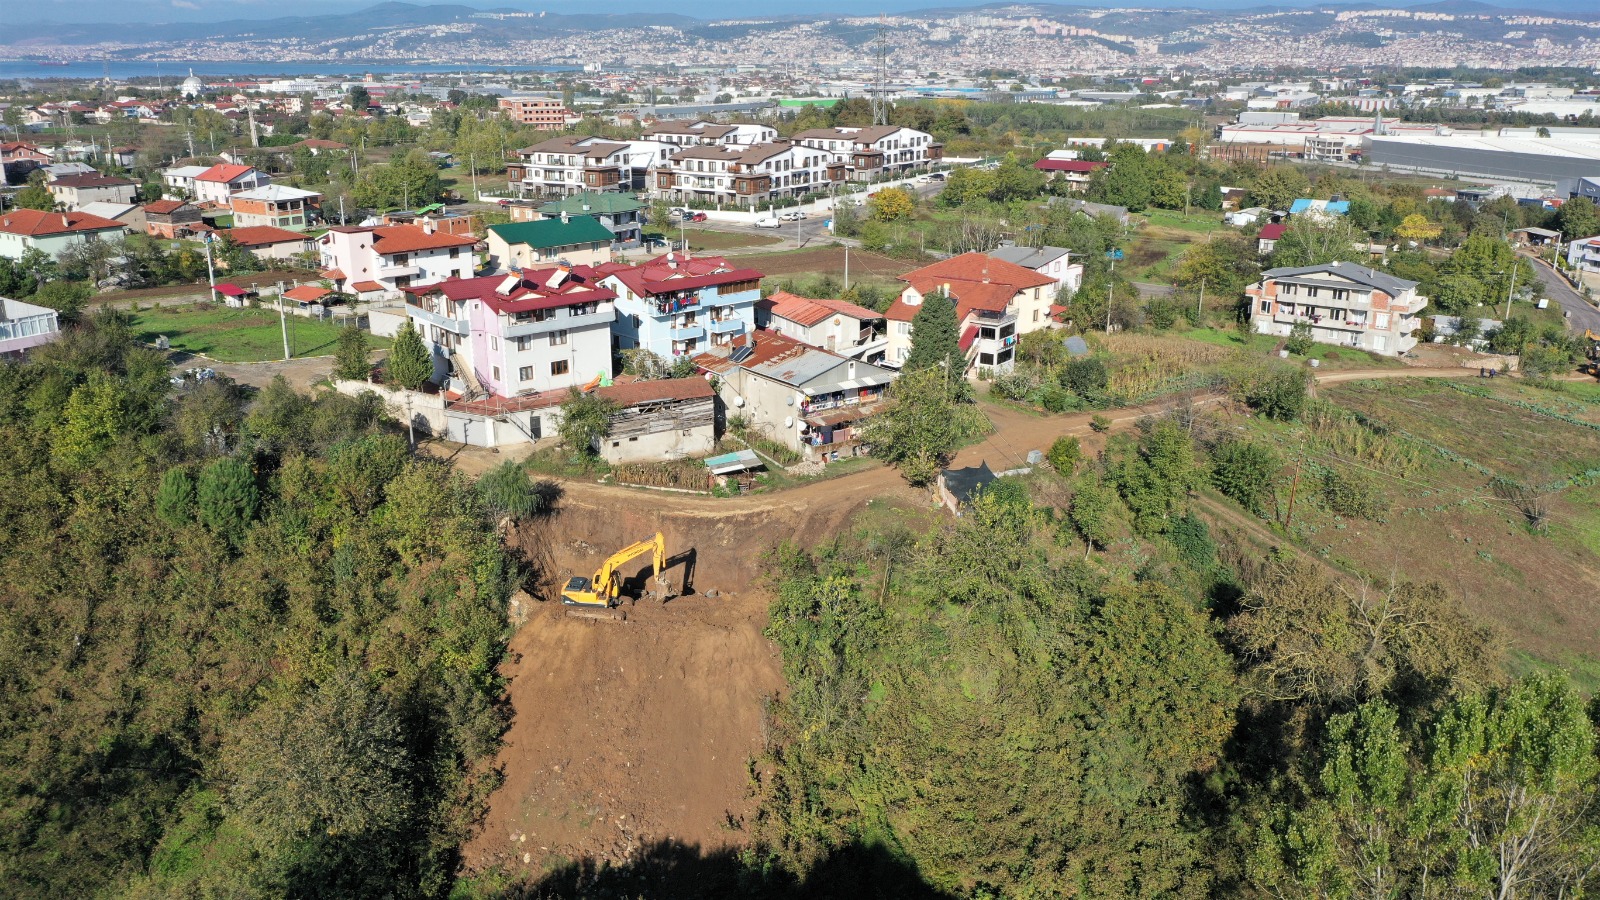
(638, 731)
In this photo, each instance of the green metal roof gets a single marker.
(554, 232)
(598, 203)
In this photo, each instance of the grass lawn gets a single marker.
(1332, 358)
(1200, 221)
(239, 335)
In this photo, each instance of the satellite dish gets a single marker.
(738, 402)
(788, 421)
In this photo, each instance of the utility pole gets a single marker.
(880, 90)
(1200, 307)
(283, 322)
(847, 267)
(211, 273)
(472, 163)
(1293, 484)
(1513, 288)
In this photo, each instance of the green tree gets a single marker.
(1065, 454)
(97, 416)
(1246, 471)
(1277, 187)
(1309, 241)
(507, 490)
(1086, 376)
(410, 364)
(227, 498)
(585, 421)
(1300, 340)
(966, 185)
(1091, 513)
(353, 360)
(36, 195)
(1155, 475)
(1579, 219)
(935, 341)
(175, 499)
(68, 298)
(923, 424)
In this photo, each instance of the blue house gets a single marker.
(678, 305)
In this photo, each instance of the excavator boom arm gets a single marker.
(605, 577)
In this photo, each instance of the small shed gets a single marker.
(1534, 237)
(957, 487)
(233, 295)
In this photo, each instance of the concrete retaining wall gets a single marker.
(426, 410)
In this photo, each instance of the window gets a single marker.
(1035, 293)
(559, 367)
(523, 342)
(557, 338)
(902, 327)
(455, 252)
(525, 373)
(985, 359)
(496, 371)
(1266, 306)
(1381, 320)
(494, 342)
(1036, 315)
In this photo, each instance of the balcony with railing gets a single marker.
(688, 333)
(565, 319)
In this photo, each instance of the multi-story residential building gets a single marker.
(996, 302)
(1343, 303)
(394, 256)
(74, 192)
(690, 134)
(580, 241)
(870, 151)
(275, 205)
(678, 305)
(809, 399)
(220, 182)
(543, 113)
(50, 233)
(508, 335)
(837, 325)
(171, 219)
(24, 326)
(745, 175)
(574, 164)
(1053, 262)
(622, 215)
(178, 181)
(1584, 254)
(1075, 172)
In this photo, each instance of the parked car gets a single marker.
(678, 212)
(694, 217)
(768, 222)
(504, 201)
(793, 215)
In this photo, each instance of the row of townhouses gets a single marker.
(702, 161)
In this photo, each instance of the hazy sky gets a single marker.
(217, 10)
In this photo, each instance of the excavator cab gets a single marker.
(602, 588)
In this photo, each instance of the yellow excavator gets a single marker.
(605, 586)
(1592, 365)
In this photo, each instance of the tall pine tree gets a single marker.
(410, 364)
(934, 336)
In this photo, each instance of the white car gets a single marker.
(768, 222)
(678, 212)
(792, 216)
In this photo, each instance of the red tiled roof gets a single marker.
(231, 290)
(33, 223)
(1068, 165)
(978, 269)
(163, 207)
(306, 293)
(263, 235)
(91, 180)
(808, 311)
(391, 239)
(636, 392)
(672, 272)
(901, 311)
(223, 172)
(333, 274)
(367, 287)
(532, 292)
(1273, 232)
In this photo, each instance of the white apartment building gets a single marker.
(1343, 303)
(690, 134)
(509, 335)
(867, 152)
(733, 173)
(563, 166)
(393, 257)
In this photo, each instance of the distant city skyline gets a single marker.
(191, 11)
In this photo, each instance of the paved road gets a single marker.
(1581, 314)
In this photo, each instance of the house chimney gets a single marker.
(564, 217)
(427, 226)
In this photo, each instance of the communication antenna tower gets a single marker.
(880, 60)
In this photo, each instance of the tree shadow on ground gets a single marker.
(671, 870)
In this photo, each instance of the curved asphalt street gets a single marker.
(1581, 314)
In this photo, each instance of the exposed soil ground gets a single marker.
(641, 730)
(635, 731)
